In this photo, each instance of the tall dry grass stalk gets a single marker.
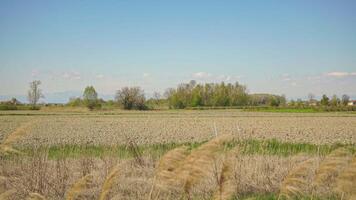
(295, 182)
(346, 182)
(109, 182)
(35, 196)
(198, 164)
(77, 189)
(165, 174)
(329, 169)
(226, 189)
(6, 147)
(168, 165)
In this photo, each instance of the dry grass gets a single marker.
(167, 166)
(2, 184)
(226, 188)
(17, 134)
(329, 169)
(255, 174)
(346, 182)
(76, 192)
(334, 173)
(109, 182)
(199, 163)
(8, 195)
(209, 171)
(178, 168)
(35, 196)
(6, 147)
(295, 183)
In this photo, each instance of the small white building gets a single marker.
(352, 103)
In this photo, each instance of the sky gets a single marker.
(277, 46)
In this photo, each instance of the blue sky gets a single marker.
(283, 47)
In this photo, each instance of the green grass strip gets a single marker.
(248, 147)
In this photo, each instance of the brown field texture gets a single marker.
(152, 127)
(212, 170)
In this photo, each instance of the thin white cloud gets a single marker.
(208, 77)
(201, 75)
(223, 78)
(340, 74)
(146, 75)
(35, 73)
(71, 76)
(286, 77)
(99, 76)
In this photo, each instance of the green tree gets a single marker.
(324, 100)
(90, 98)
(274, 101)
(197, 100)
(73, 101)
(209, 94)
(334, 100)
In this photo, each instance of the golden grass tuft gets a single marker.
(109, 182)
(330, 168)
(35, 196)
(346, 182)
(79, 187)
(168, 165)
(295, 182)
(226, 188)
(197, 165)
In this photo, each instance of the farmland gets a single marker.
(152, 127)
(54, 149)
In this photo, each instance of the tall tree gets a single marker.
(34, 93)
(334, 100)
(90, 97)
(324, 100)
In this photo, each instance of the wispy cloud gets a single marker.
(340, 74)
(205, 76)
(99, 76)
(71, 75)
(146, 75)
(35, 73)
(201, 75)
(226, 78)
(286, 77)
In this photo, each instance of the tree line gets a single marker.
(185, 95)
(127, 97)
